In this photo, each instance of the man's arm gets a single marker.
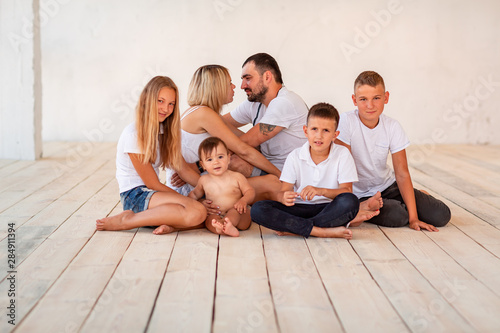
(260, 133)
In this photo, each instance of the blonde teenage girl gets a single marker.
(151, 142)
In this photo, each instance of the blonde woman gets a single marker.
(209, 90)
(153, 141)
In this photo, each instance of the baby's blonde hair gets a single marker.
(208, 87)
(148, 127)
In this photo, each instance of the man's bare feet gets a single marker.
(164, 229)
(337, 232)
(374, 203)
(363, 215)
(116, 222)
(225, 228)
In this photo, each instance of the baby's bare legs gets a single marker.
(221, 225)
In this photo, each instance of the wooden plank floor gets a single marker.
(70, 278)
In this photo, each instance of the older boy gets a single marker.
(370, 136)
(315, 197)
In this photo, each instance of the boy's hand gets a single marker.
(241, 206)
(309, 192)
(417, 225)
(289, 198)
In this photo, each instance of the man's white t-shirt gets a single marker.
(301, 171)
(126, 175)
(370, 148)
(287, 110)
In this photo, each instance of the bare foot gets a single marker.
(363, 215)
(229, 229)
(284, 233)
(337, 232)
(116, 222)
(219, 227)
(424, 191)
(164, 229)
(374, 203)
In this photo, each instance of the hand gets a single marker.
(309, 192)
(417, 225)
(177, 181)
(212, 209)
(289, 198)
(241, 206)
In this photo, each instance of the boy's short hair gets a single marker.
(208, 145)
(370, 78)
(324, 110)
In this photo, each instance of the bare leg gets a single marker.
(165, 208)
(266, 187)
(240, 165)
(240, 221)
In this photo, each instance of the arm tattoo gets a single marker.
(266, 128)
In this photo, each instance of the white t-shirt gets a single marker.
(301, 171)
(370, 148)
(126, 175)
(287, 110)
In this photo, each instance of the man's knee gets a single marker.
(440, 217)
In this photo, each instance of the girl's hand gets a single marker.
(289, 198)
(241, 206)
(309, 192)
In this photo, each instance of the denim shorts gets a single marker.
(136, 199)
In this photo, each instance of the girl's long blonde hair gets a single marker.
(147, 124)
(209, 87)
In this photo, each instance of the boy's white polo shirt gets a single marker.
(300, 170)
(370, 148)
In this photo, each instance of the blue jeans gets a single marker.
(394, 214)
(136, 199)
(300, 218)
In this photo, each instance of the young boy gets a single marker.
(370, 136)
(229, 189)
(315, 197)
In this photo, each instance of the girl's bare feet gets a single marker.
(116, 222)
(164, 229)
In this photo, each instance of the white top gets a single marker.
(190, 143)
(126, 175)
(301, 171)
(370, 148)
(287, 110)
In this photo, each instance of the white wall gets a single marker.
(440, 58)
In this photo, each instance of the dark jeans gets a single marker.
(300, 218)
(394, 214)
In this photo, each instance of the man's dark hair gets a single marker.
(264, 62)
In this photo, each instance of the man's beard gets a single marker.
(259, 95)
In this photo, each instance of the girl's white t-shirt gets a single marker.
(370, 148)
(126, 175)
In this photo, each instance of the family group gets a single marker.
(298, 171)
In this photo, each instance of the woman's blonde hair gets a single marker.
(209, 87)
(149, 135)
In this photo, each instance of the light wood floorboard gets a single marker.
(70, 278)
